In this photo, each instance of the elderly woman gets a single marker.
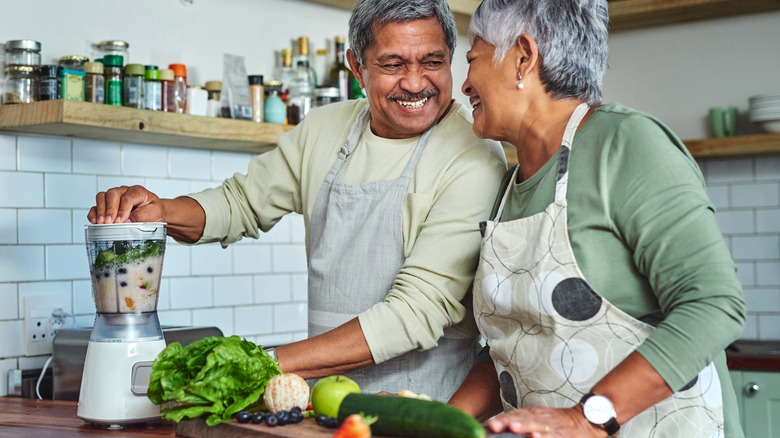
(605, 290)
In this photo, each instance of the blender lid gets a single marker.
(126, 231)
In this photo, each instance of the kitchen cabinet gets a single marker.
(628, 14)
(758, 398)
(130, 125)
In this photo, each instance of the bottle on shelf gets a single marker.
(152, 88)
(132, 86)
(112, 68)
(274, 110)
(214, 102)
(167, 91)
(339, 75)
(94, 82)
(257, 95)
(180, 86)
(284, 72)
(302, 84)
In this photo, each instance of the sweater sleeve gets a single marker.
(661, 210)
(246, 204)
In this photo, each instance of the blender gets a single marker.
(125, 264)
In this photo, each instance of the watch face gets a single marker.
(598, 409)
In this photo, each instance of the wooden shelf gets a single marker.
(129, 125)
(745, 145)
(628, 14)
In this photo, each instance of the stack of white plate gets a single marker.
(765, 110)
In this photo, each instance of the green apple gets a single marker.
(328, 392)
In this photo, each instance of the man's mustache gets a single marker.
(408, 97)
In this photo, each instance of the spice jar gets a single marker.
(132, 86)
(113, 74)
(274, 110)
(21, 84)
(48, 83)
(214, 106)
(94, 82)
(152, 88)
(167, 91)
(22, 52)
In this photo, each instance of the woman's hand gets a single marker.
(539, 422)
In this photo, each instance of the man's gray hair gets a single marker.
(368, 13)
(571, 36)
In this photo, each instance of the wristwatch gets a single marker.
(600, 411)
(272, 352)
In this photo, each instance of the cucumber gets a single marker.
(409, 417)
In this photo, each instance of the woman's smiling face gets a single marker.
(490, 88)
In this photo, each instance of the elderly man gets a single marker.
(392, 189)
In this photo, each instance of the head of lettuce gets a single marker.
(214, 376)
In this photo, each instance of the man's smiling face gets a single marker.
(407, 77)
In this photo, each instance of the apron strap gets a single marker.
(562, 178)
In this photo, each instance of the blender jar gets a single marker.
(125, 264)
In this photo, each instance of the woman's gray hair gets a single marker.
(368, 13)
(571, 36)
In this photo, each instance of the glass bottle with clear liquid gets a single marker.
(302, 84)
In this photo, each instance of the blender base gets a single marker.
(115, 381)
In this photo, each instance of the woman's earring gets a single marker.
(520, 84)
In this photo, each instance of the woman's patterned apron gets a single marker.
(552, 337)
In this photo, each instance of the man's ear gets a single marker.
(354, 65)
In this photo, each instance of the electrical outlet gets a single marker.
(39, 324)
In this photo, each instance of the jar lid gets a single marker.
(93, 67)
(256, 80)
(49, 71)
(126, 231)
(20, 68)
(113, 60)
(214, 85)
(153, 75)
(166, 74)
(134, 69)
(23, 45)
(178, 69)
(327, 92)
(74, 58)
(113, 45)
(151, 67)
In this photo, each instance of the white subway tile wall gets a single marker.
(746, 194)
(258, 288)
(48, 185)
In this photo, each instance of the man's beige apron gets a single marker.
(552, 337)
(356, 248)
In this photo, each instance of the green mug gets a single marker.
(723, 121)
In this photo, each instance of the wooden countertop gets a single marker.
(753, 356)
(21, 417)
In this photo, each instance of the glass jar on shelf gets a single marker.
(112, 47)
(21, 84)
(23, 52)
